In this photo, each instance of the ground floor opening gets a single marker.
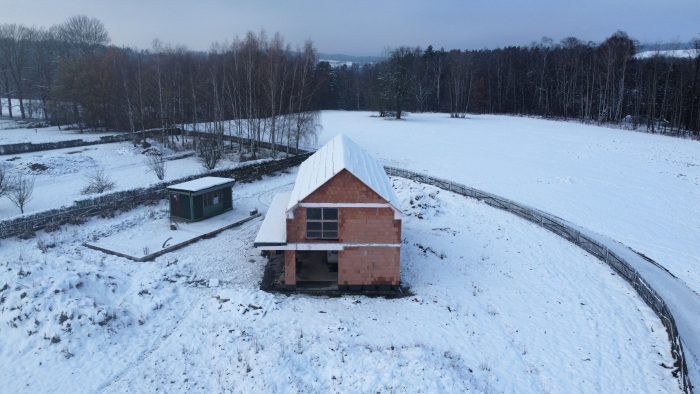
(373, 271)
(317, 269)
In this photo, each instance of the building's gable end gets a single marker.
(339, 154)
(344, 187)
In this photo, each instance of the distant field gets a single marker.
(641, 189)
(13, 133)
(683, 53)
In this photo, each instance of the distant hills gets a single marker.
(644, 50)
(684, 50)
(339, 59)
(667, 46)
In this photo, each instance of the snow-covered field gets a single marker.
(500, 305)
(66, 172)
(32, 108)
(638, 188)
(14, 132)
(682, 53)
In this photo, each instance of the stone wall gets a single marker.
(24, 147)
(362, 268)
(107, 204)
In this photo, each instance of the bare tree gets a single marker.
(84, 33)
(21, 190)
(4, 181)
(209, 152)
(98, 182)
(15, 43)
(156, 163)
(5, 70)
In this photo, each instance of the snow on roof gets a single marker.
(341, 153)
(273, 230)
(201, 183)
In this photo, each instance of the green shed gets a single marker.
(200, 198)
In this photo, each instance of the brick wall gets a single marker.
(344, 187)
(356, 225)
(290, 268)
(369, 266)
(357, 266)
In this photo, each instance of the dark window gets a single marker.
(322, 223)
(314, 213)
(214, 198)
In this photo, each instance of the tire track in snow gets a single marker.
(196, 304)
(143, 356)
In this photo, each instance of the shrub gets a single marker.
(156, 163)
(98, 182)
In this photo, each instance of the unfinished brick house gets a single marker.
(340, 227)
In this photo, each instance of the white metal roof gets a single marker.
(201, 183)
(341, 153)
(273, 230)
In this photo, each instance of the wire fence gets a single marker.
(592, 246)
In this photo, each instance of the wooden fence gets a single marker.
(592, 246)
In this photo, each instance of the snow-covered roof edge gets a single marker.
(203, 183)
(341, 153)
(273, 230)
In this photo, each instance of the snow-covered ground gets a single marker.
(500, 305)
(640, 189)
(32, 108)
(66, 172)
(14, 132)
(682, 53)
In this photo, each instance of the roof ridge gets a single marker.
(338, 154)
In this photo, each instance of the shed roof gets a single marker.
(203, 183)
(341, 153)
(273, 230)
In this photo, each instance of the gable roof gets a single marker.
(341, 153)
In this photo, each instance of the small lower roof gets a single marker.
(203, 183)
(273, 230)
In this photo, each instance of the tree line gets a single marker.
(260, 88)
(255, 87)
(594, 82)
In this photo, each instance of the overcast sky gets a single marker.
(367, 27)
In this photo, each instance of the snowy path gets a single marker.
(115, 379)
(683, 302)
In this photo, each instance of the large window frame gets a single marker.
(322, 223)
(215, 197)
